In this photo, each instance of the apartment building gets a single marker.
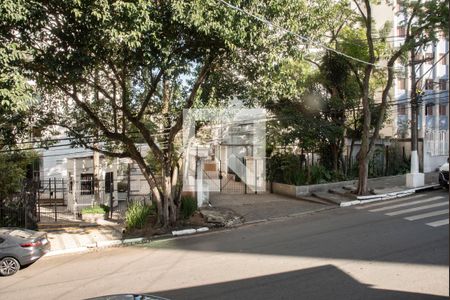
(432, 80)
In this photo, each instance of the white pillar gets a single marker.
(74, 186)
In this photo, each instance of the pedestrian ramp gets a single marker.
(429, 209)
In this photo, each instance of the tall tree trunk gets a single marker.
(364, 154)
(335, 156)
(169, 208)
(363, 174)
(350, 156)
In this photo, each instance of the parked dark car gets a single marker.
(20, 247)
(128, 297)
(443, 175)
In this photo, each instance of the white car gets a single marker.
(443, 175)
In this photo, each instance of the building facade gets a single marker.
(432, 82)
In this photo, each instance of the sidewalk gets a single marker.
(76, 236)
(262, 207)
(69, 233)
(381, 188)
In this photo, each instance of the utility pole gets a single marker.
(414, 178)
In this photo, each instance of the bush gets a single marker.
(320, 174)
(105, 208)
(96, 209)
(137, 215)
(188, 207)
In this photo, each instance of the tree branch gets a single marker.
(149, 95)
(190, 101)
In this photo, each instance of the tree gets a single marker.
(118, 73)
(423, 21)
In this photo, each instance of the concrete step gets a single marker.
(332, 198)
(349, 188)
(343, 193)
(48, 201)
(58, 226)
(314, 200)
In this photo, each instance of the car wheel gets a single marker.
(9, 266)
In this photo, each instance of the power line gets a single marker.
(433, 65)
(302, 38)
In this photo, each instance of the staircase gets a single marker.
(51, 201)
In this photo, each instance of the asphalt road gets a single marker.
(392, 250)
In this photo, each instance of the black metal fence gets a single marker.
(20, 209)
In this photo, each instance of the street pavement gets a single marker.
(396, 249)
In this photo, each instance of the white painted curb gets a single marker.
(183, 232)
(202, 229)
(189, 231)
(133, 241)
(67, 251)
(104, 244)
(382, 197)
(349, 203)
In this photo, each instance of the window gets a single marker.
(429, 109)
(401, 109)
(443, 59)
(429, 84)
(442, 109)
(87, 184)
(70, 182)
(401, 83)
(109, 179)
(443, 84)
(401, 31)
(429, 57)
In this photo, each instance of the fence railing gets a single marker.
(19, 209)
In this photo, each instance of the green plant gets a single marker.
(105, 208)
(96, 209)
(188, 207)
(137, 215)
(320, 174)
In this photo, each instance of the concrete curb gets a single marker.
(67, 251)
(189, 231)
(386, 196)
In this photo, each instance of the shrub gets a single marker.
(96, 209)
(188, 207)
(137, 215)
(105, 208)
(319, 174)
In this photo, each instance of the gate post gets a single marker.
(111, 186)
(245, 175)
(220, 175)
(256, 175)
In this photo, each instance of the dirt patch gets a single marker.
(197, 219)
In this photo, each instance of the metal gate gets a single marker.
(51, 199)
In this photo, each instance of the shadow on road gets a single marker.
(340, 234)
(302, 284)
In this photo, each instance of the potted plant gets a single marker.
(95, 213)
